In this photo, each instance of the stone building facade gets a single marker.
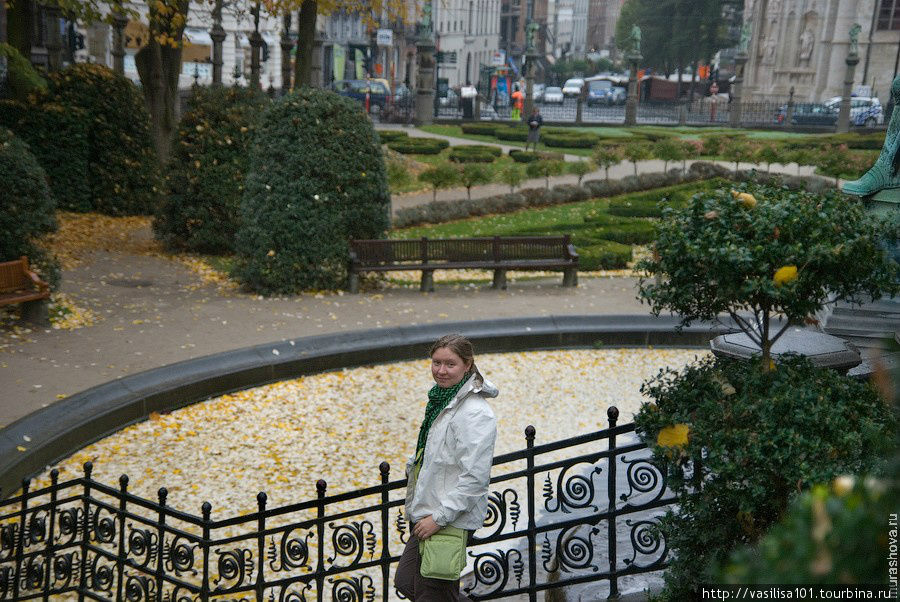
(804, 43)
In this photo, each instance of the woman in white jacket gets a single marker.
(450, 471)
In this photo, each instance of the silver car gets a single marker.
(553, 95)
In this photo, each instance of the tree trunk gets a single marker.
(158, 68)
(306, 35)
(20, 24)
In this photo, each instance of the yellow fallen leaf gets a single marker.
(21, 448)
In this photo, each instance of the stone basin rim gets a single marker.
(68, 425)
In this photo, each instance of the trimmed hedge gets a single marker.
(205, 180)
(474, 153)
(511, 132)
(570, 139)
(22, 78)
(316, 179)
(122, 169)
(607, 255)
(418, 146)
(479, 129)
(29, 211)
(521, 156)
(387, 136)
(650, 204)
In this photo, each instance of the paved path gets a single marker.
(618, 171)
(175, 317)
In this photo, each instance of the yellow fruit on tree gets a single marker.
(785, 274)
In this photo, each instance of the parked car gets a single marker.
(451, 100)
(553, 95)
(572, 87)
(864, 110)
(537, 92)
(619, 95)
(815, 114)
(599, 92)
(379, 94)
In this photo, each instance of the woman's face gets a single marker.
(447, 368)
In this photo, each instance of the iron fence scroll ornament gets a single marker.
(104, 543)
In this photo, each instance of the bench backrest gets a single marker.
(438, 250)
(13, 276)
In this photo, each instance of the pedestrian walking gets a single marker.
(448, 475)
(518, 102)
(534, 129)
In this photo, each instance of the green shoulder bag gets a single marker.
(444, 554)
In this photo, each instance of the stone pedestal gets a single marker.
(734, 117)
(632, 98)
(217, 34)
(823, 350)
(256, 42)
(530, 61)
(843, 123)
(425, 79)
(118, 45)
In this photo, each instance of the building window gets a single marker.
(889, 14)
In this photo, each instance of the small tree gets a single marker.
(691, 149)
(512, 175)
(606, 156)
(545, 169)
(397, 174)
(834, 161)
(668, 149)
(637, 150)
(766, 251)
(442, 175)
(474, 174)
(770, 153)
(737, 151)
(580, 169)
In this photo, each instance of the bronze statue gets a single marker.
(884, 174)
(854, 38)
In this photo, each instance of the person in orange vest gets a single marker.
(518, 103)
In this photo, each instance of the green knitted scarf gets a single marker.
(438, 399)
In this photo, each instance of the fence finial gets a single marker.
(530, 431)
(206, 509)
(123, 482)
(384, 468)
(612, 413)
(163, 493)
(261, 499)
(88, 469)
(321, 485)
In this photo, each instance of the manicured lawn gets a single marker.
(603, 239)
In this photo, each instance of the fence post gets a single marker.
(261, 498)
(85, 529)
(48, 549)
(321, 485)
(20, 540)
(206, 509)
(120, 557)
(789, 113)
(385, 469)
(532, 544)
(579, 109)
(682, 114)
(163, 493)
(613, 414)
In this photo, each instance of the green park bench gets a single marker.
(497, 253)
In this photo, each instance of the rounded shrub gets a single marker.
(509, 132)
(22, 78)
(205, 180)
(479, 129)
(521, 156)
(122, 168)
(739, 443)
(418, 146)
(316, 179)
(387, 136)
(572, 139)
(28, 207)
(474, 153)
(606, 255)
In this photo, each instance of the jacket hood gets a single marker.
(477, 384)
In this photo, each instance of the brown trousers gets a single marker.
(409, 580)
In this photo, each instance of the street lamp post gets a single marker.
(217, 35)
(256, 42)
(425, 67)
(286, 45)
(633, 57)
(843, 123)
(119, 21)
(734, 118)
(531, 57)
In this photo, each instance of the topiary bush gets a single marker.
(391, 135)
(651, 203)
(479, 129)
(205, 179)
(605, 255)
(474, 153)
(514, 133)
(572, 139)
(58, 137)
(316, 179)
(521, 156)
(418, 146)
(29, 210)
(738, 443)
(22, 78)
(122, 168)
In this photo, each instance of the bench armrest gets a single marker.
(36, 280)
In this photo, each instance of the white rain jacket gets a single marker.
(452, 485)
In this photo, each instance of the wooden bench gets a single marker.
(498, 253)
(18, 284)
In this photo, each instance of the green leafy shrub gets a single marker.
(513, 133)
(397, 174)
(418, 146)
(513, 176)
(653, 135)
(28, 207)
(738, 151)
(738, 444)
(580, 169)
(607, 155)
(22, 78)
(651, 203)
(386, 136)
(635, 151)
(58, 138)
(474, 174)
(122, 168)
(474, 153)
(668, 150)
(572, 139)
(479, 129)
(440, 176)
(521, 156)
(545, 169)
(572, 192)
(316, 179)
(205, 179)
(607, 255)
(713, 144)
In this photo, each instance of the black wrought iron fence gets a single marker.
(601, 497)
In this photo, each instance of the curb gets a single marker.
(65, 427)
